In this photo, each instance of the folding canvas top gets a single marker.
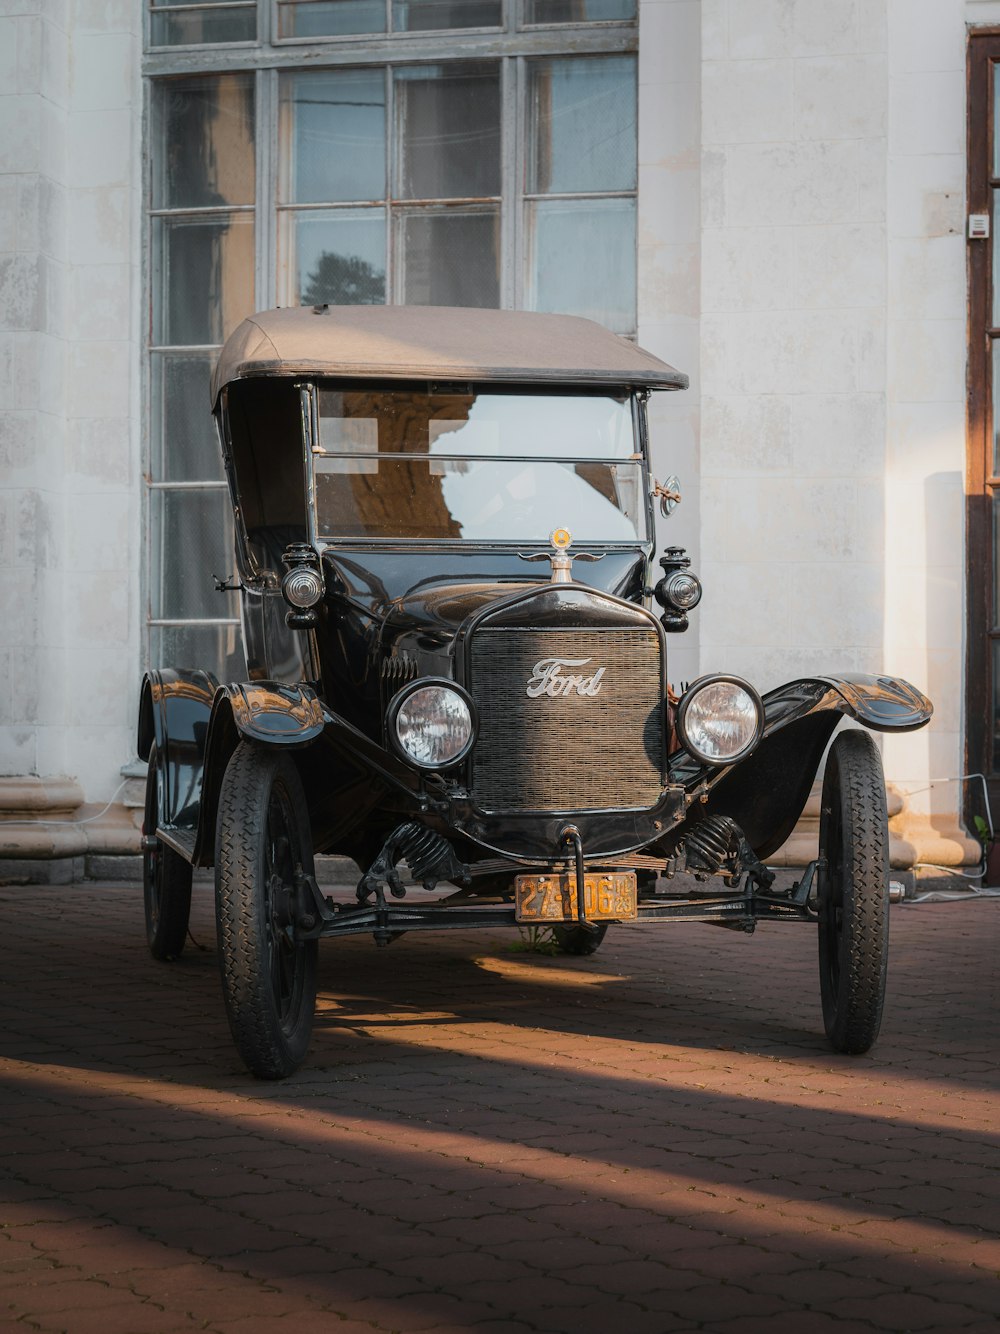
(437, 342)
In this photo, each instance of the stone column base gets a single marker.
(46, 819)
(913, 838)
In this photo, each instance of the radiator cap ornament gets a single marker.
(561, 539)
(561, 555)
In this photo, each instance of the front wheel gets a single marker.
(853, 893)
(268, 978)
(166, 878)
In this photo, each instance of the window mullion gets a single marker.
(393, 271)
(265, 290)
(508, 177)
(520, 119)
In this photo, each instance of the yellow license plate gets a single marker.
(609, 896)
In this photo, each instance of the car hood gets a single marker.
(409, 605)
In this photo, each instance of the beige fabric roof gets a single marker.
(436, 342)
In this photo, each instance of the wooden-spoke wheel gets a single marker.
(853, 893)
(268, 977)
(166, 878)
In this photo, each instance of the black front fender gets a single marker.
(264, 711)
(275, 714)
(767, 792)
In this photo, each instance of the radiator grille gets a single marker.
(573, 752)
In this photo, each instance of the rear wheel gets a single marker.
(578, 939)
(853, 893)
(268, 978)
(166, 878)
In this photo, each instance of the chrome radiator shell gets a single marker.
(543, 747)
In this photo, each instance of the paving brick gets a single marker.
(905, 1311)
(133, 1318)
(475, 1141)
(794, 1322)
(299, 1321)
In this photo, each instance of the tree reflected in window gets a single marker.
(344, 280)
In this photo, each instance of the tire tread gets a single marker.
(268, 1052)
(854, 774)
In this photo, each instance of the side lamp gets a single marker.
(678, 591)
(301, 585)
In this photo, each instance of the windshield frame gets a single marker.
(636, 398)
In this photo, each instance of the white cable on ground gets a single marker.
(75, 823)
(954, 870)
(954, 895)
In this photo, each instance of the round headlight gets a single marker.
(720, 719)
(682, 590)
(302, 586)
(431, 724)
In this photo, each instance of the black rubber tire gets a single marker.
(166, 880)
(578, 940)
(269, 983)
(853, 893)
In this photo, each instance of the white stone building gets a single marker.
(787, 178)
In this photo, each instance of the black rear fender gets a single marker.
(175, 706)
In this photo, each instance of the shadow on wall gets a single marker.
(932, 817)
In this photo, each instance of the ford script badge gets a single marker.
(547, 678)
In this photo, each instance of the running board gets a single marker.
(180, 840)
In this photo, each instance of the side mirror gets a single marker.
(669, 494)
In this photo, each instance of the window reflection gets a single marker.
(333, 128)
(477, 423)
(439, 465)
(205, 271)
(333, 18)
(206, 128)
(560, 231)
(451, 257)
(200, 22)
(583, 119)
(580, 11)
(448, 126)
(430, 15)
(337, 257)
(488, 500)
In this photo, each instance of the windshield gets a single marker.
(445, 463)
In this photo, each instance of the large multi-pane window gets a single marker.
(444, 152)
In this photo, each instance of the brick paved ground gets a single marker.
(654, 1139)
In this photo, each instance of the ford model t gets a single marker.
(457, 677)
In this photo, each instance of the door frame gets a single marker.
(981, 482)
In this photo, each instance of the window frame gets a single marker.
(511, 46)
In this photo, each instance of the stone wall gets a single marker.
(925, 386)
(793, 283)
(70, 543)
(669, 236)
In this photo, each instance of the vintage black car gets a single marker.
(455, 677)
